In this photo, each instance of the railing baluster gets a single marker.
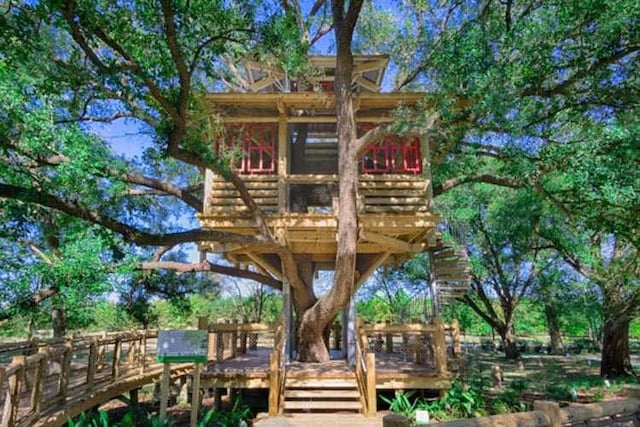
(92, 363)
(65, 371)
(38, 379)
(115, 365)
(12, 399)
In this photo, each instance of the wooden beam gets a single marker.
(266, 265)
(391, 242)
(368, 270)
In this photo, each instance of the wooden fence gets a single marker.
(617, 413)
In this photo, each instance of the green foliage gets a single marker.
(403, 404)
(100, 419)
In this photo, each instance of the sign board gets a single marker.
(422, 417)
(182, 346)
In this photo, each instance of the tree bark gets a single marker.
(553, 327)
(58, 321)
(314, 321)
(615, 347)
(509, 341)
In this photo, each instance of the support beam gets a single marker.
(392, 242)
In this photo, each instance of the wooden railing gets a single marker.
(228, 339)
(379, 193)
(277, 372)
(620, 412)
(44, 376)
(365, 373)
(423, 344)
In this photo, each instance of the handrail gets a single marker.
(277, 374)
(40, 380)
(365, 372)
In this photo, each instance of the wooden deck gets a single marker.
(251, 370)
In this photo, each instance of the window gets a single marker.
(251, 148)
(393, 154)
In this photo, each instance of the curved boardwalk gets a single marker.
(46, 382)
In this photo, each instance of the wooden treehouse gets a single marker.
(281, 138)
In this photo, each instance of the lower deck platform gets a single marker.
(251, 370)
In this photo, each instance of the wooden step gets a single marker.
(326, 405)
(321, 394)
(319, 383)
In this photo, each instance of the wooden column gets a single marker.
(195, 395)
(282, 160)
(439, 344)
(274, 384)
(288, 323)
(65, 371)
(164, 391)
(372, 404)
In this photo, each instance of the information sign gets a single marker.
(182, 346)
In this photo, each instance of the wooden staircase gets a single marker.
(321, 395)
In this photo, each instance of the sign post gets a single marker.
(182, 346)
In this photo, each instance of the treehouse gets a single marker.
(282, 141)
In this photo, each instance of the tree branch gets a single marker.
(213, 268)
(486, 178)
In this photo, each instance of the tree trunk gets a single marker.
(311, 346)
(615, 347)
(553, 327)
(58, 321)
(509, 341)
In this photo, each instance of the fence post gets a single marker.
(551, 409)
(92, 363)
(38, 379)
(12, 400)
(65, 370)
(220, 344)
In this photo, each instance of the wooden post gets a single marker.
(142, 354)
(455, 338)
(274, 384)
(393, 420)
(220, 344)
(234, 339)
(195, 395)
(282, 161)
(243, 336)
(65, 371)
(38, 379)
(551, 409)
(92, 363)
(132, 351)
(439, 351)
(164, 391)
(372, 406)
(115, 366)
(389, 342)
(12, 399)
